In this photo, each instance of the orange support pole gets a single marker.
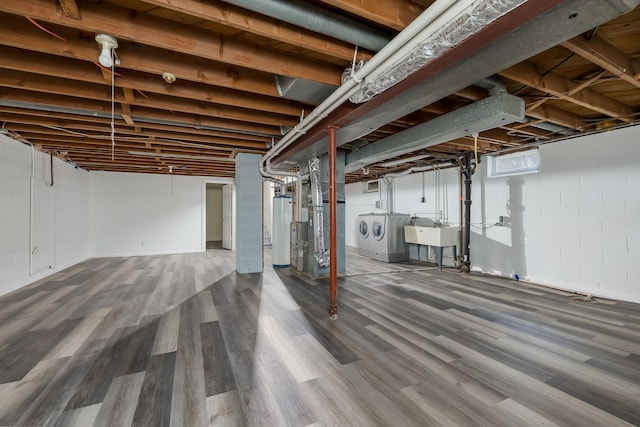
(333, 222)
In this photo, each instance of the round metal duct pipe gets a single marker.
(317, 19)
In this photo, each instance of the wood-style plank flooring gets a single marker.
(182, 340)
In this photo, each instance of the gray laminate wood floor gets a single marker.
(182, 340)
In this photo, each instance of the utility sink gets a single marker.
(431, 236)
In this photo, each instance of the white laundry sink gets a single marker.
(431, 236)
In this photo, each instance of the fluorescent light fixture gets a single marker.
(181, 156)
(405, 160)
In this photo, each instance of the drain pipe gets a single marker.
(396, 49)
(468, 171)
(333, 227)
(461, 235)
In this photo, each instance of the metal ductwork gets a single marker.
(570, 18)
(303, 90)
(552, 127)
(493, 85)
(314, 18)
(497, 110)
(320, 253)
(107, 115)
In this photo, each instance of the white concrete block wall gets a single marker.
(71, 191)
(143, 214)
(578, 204)
(580, 224)
(71, 202)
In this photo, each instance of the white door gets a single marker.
(227, 217)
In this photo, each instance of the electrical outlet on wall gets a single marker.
(503, 221)
(423, 199)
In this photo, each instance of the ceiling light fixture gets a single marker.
(108, 45)
(169, 77)
(109, 59)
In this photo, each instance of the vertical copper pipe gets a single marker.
(333, 222)
(461, 234)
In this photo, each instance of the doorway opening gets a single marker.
(218, 218)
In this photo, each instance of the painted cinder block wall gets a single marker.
(145, 214)
(70, 213)
(574, 225)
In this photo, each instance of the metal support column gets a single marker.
(333, 226)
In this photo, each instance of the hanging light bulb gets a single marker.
(108, 44)
(105, 57)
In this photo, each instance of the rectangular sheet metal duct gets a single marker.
(488, 113)
(303, 90)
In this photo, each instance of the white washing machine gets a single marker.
(363, 234)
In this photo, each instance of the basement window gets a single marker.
(520, 163)
(371, 186)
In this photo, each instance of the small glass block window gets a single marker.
(519, 163)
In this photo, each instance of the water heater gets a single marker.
(281, 231)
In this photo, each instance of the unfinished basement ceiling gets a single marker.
(228, 62)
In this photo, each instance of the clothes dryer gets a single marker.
(363, 234)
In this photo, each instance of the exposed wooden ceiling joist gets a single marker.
(396, 14)
(18, 60)
(52, 132)
(603, 54)
(147, 60)
(84, 123)
(161, 33)
(262, 25)
(562, 87)
(556, 116)
(70, 8)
